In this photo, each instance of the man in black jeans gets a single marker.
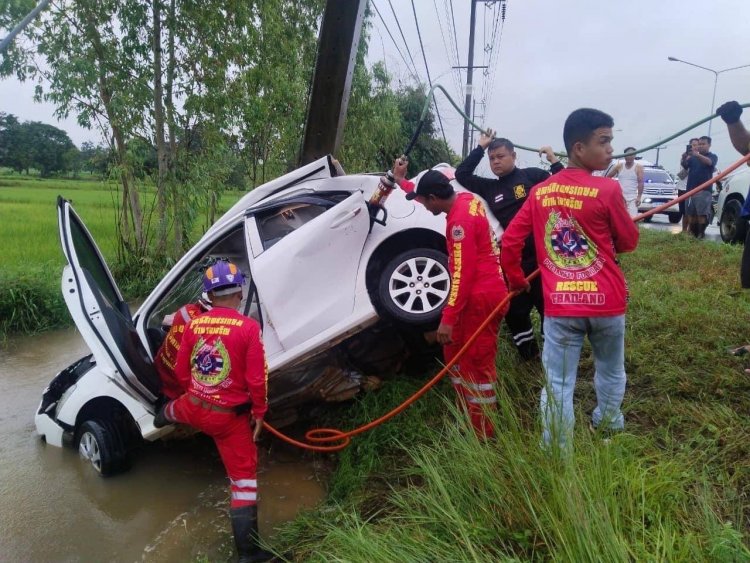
(505, 196)
(730, 112)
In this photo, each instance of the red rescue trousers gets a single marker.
(234, 440)
(474, 375)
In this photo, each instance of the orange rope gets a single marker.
(328, 435)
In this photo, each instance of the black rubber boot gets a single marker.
(246, 538)
(161, 420)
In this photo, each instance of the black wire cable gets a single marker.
(401, 31)
(427, 68)
(412, 72)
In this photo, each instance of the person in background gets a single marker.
(579, 223)
(222, 365)
(477, 288)
(630, 175)
(700, 165)
(505, 196)
(682, 176)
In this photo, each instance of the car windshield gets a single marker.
(656, 177)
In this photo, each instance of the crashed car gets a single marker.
(330, 279)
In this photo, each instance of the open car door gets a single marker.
(99, 311)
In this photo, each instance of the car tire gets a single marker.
(674, 217)
(414, 286)
(732, 227)
(100, 444)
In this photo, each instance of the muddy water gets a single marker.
(171, 506)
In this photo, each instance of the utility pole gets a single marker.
(657, 153)
(469, 73)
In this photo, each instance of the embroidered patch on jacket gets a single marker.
(519, 191)
(457, 233)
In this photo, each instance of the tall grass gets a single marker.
(673, 487)
(31, 261)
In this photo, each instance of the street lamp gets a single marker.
(716, 79)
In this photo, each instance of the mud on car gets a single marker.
(340, 289)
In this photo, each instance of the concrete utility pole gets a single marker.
(469, 76)
(657, 153)
(332, 81)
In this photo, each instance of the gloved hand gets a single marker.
(730, 112)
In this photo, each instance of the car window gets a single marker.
(274, 224)
(90, 261)
(656, 176)
(188, 288)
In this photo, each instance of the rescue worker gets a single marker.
(477, 287)
(504, 196)
(166, 357)
(579, 222)
(222, 365)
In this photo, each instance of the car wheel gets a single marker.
(100, 445)
(732, 226)
(674, 217)
(414, 286)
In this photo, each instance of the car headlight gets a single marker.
(647, 200)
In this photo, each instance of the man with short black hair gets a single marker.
(700, 166)
(477, 287)
(630, 175)
(579, 223)
(505, 196)
(682, 175)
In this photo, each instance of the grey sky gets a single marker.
(555, 57)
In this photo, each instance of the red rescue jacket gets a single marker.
(579, 223)
(166, 357)
(222, 360)
(473, 255)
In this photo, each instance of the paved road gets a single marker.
(661, 223)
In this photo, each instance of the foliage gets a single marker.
(32, 144)
(672, 487)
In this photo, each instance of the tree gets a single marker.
(35, 145)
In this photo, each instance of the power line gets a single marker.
(448, 50)
(395, 17)
(429, 78)
(412, 72)
(458, 56)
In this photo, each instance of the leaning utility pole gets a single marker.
(8, 39)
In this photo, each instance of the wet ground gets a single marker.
(661, 223)
(171, 506)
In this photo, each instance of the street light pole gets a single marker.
(716, 80)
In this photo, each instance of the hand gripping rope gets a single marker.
(338, 439)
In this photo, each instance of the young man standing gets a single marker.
(682, 175)
(700, 165)
(630, 176)
(222, 365)
(477, 287)
(579, 223)
(505, 196)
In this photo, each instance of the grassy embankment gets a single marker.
(32, 261)
(673, 487)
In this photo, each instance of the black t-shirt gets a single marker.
(698, 172)
(504, 195)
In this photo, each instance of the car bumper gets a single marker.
(656, 202)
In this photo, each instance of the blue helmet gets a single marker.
(222, 274)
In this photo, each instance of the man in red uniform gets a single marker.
(579, 223)
(166, 357)
(222, 365)
(477, 287)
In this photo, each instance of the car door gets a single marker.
(306, 279)
(99, 311)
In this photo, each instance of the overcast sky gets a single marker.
(555, 57)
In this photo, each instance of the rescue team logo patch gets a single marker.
(211, 362)
(519, 191)
(566, 244)
(457, 233)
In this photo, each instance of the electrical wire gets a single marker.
(412, 72)
(401, 31)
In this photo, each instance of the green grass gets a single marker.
(673, 487)
(32, 261)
